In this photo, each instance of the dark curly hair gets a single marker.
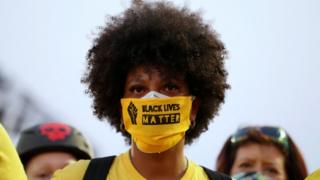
(157, 34)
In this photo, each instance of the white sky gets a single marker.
(273, 65)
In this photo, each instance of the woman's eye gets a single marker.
(245, 165)
(171, 87)
(271, 170)
(137, 89)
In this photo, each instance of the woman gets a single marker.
(49, 146)
(261, 151)
(156, 73)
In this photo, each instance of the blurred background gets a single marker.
(273, 68)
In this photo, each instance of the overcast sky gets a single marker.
(273, 65)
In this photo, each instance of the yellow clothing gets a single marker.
(10, 164)
(314, 176)
(122, 169)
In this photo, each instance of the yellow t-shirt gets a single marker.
(120, 165)
(10, 164)
(314, 176)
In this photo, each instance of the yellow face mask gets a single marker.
(156, 124)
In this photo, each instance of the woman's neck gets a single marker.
(170, 164)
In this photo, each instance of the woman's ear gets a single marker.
(194, 110)
(120, 112)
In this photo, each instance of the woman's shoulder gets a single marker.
(315, 175)
(72, 171)
(11, 166)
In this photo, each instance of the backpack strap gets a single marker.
(213, 175)
(98, 168)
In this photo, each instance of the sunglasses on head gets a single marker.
(276, 134)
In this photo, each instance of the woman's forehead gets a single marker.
(163, 72)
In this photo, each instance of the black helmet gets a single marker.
(53, 136)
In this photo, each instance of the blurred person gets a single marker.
(261, 152)
(10, 164)
(49, 146)
(156, 73)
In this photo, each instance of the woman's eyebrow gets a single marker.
(246, 159)
(271, 162)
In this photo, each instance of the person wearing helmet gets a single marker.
(10, 164)
(49, 146)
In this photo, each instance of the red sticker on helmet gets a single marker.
(55, 131)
